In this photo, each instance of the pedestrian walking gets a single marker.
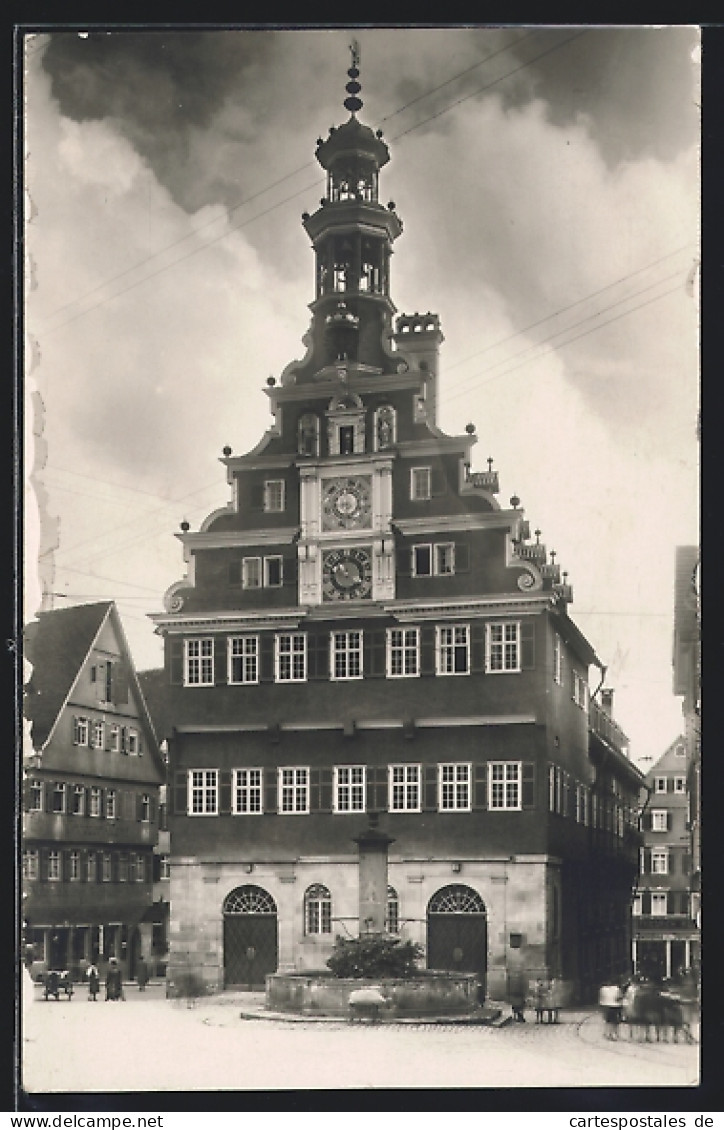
(114, 982)
(539, 999)
(141, 974)
(94, 981)
(553, 1002)
(517, 989)
(610, 999)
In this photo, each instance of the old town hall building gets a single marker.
(365, 633)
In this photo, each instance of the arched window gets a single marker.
(308, 434)
(385, 427)
(456, 899)
(249, 900)
(393, 912)
(317, 910)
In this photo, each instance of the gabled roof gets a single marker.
(57, 644)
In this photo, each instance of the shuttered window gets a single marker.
(349, 788)
(246, 796)
(505, 780)
(403, 652)
(404, 788)
(503, 652)
(453, 649)
(454, 787)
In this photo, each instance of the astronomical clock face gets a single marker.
(346, 574)
(346, 503)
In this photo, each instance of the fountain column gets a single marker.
(373, 846)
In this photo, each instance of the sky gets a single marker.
(548, 182)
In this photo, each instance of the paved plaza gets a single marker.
(150, 1043)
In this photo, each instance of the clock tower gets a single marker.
(364, 630)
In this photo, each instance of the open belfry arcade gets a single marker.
(367, 642)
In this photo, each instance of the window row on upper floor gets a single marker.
(64, 797)
(570, 798)
(75, 865)
(660, 904)
(96, 733)
(496, 647)
(402, 787)
(670, 784)
(271, 496)
(662, 860)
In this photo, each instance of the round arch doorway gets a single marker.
(250, 937)
(457, 932)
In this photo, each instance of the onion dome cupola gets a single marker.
(352, 234)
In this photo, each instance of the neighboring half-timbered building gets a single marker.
(91, 777)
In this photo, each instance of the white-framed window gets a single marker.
(294, 789)
(145, 808)
(58, 797)
(243, 659)
(54, 872)
(444, 558)
(133, 742)
(246, 794)
(404, 788)
(659, 820)
(91, 867)
(274, 495)
(35, 798)
(251, 572)
(31, 868)
(433, 560)
(78, 801)
(132, 867)
(199, 662)
(582, 804)
(502, 647)
(106, 867)
(349, 788)
(680, 750)
(579, 690)
(679, 784)
(659, 861)
(504, 788)
(94, 801)
(203, 798)
(420, 483)
(452, 649)
(110, 804)
(392, 922)
(115, 739)
(346, 655)
(81, 730)
(123, 867)
(99, 734)
(659, 784)
(142, 868)
(317, 910)
(422, 560)
(274, 571)
(165, 867)
(659, 904)
(557, 659)
(403, 652)
(454, 787)
(637, 907)
(290, 657)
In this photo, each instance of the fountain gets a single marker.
(413, 993)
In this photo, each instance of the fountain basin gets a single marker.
(429, 993)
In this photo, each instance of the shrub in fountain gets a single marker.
(374, 956)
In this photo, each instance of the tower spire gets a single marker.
(353, 88)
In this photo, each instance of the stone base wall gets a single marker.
(513, 891)
(436, 995)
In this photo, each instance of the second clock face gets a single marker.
(346, 503)
(346, 574)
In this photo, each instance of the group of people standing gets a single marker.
(114, 979)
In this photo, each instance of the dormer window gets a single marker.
(308, 434)
(346, 425)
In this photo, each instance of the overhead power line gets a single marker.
(279, 204)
